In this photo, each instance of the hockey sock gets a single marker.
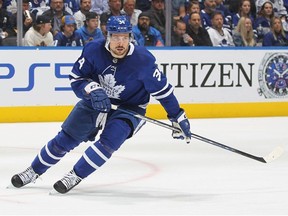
(93, 158)
(53, 152)
(49, 155)
(115, 133)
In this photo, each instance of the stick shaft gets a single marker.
(195, 136)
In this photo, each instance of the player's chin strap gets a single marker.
(276, 153)
(107, 42)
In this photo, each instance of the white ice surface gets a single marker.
(152, 174)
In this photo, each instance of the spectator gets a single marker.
(55, 13)
(181, 13)
(278, 7)
(38, 7)
(244, 10)
(90, 30)
(99, 6)
(277, 36)
(4, 4)
(199, 34)
(38, 3)
(206, 15)
(70, 6)
(28, 18)
(143, 5)
(114, 10)
(175, 5)
(129, 9)
(67, 36)
(225, 11)
(144, 34)
(157, 16)
(233, 6)
(80, 16)
(10, 6)
(243, 34)
(219, 35)
(191, 7)
(221, 7)
(179, 36)
(6, 29)
(39, 34)
(263, 21)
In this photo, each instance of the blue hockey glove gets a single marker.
(99, 99)
(182, 123)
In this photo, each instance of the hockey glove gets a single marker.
(182, 123)
(99, 99)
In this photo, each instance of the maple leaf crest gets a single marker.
(108, 83)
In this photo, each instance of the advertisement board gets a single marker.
(208, 82)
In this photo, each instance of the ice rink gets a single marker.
(153, 174)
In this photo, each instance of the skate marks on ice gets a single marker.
(159, 175)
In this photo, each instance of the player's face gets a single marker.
(119, 44)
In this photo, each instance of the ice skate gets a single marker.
(24, 178)
(69, 181)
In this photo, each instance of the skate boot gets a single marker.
(24, 178)
(69, 181)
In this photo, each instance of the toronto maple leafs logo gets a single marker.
(108, 82)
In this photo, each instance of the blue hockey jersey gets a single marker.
(87, 36)
(61, 40)
(128, 82)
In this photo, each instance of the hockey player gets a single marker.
(107, 72)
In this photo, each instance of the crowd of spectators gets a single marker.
(194, 22)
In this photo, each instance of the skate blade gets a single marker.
(53, 192)
(10, 186)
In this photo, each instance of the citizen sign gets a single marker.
(210, 75)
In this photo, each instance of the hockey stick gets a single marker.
(276, 153)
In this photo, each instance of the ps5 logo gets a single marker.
(8, 71)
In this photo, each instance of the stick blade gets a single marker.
(276, 153)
